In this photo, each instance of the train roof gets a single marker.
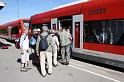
(69, 4)
(15, 22)
(93, 10)
(65, 11)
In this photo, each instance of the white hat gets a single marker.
(34, 30)
(38, 29)
(45, 28)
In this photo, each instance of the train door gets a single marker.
(54, 23)
(77, 33)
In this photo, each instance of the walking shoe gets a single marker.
(67, 63)
(23, 70)
(43, 75)
(28, 68)
(55, 65)
(49, 73)
(64, 63)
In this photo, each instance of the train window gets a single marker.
(54, 26)
(15, 30)
(88, 34)
(105, 32)
(3, 31)
(65, 21)
(120, 25)
(97, 31)
(121, 40)
(114, 25)
(120, 32)
(107, 24)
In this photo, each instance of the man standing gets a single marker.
(44, 47)
(24, 45)
(55, 47)
(65, 41)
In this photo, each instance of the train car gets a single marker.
(14, 29)
(3, 32)
(97, 27)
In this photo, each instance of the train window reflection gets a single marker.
(89, 35)
(3, 31)
(104, 32)
(15, 30)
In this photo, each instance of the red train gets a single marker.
(13, 30)
(97, 27)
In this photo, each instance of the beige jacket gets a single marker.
(49, 39)
(65, 38)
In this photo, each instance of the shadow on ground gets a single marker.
(35, 61)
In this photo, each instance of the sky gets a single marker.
(27, 8)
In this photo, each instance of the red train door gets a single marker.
(54, 23)
(77, 32)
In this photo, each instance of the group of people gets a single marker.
(47, 46)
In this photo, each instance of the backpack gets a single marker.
(32, 41)
(43, 45)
